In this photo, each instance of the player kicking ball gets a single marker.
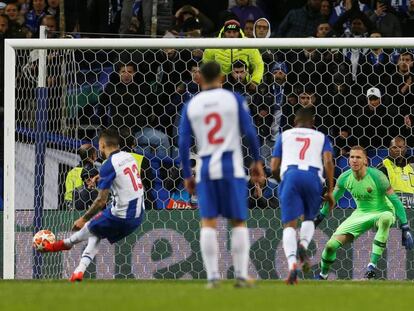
(299, 158)
(377, 206)
(120, 175)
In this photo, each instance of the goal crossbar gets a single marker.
(11, 45)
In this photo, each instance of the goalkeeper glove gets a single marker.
(318, 219)
(407, 237)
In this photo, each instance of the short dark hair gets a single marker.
(407, 53)
(46, 17)
(192, 63)
(111, 137)
(397, 138)
(210, 71)
(239, 64)
(122, 65)
(86, 152)
(304, 115)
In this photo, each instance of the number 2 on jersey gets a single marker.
(212, 134)
(134, 175)
(305, 147)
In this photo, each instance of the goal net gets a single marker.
(61, 92)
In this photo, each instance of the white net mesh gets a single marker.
(141, 93)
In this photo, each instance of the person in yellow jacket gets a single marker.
(400, 171)
(87, 154)
(226, 57)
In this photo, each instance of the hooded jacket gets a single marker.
(268, 23)
(226, 57)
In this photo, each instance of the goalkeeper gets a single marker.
(377, 206)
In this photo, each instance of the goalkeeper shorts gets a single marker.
(359, 223)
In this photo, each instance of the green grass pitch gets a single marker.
(169, 295)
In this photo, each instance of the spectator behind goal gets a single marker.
(84, 195)
(226, 57)
(88, 156)
(399, 168)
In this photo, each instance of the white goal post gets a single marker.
(11, 45)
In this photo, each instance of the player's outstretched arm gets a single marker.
(385, 187)
(407, 237)
(324, 211)
(96, 206)
(337, 194)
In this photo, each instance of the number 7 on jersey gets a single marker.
(305, 147)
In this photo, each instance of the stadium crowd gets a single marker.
(360, 96)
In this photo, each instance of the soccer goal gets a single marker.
(60, 92)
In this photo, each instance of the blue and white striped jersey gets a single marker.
(121, 174)
(217, 118)
(302, 148)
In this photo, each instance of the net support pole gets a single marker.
(40, 151)
(9, 161)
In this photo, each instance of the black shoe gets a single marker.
(304, 259)
(371, 272)
(292, 278)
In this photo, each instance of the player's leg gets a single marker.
(290, 246)
(383, 224)
(292, 208)
(329, 252)
(87, 257)
(233, 205)
(240, 248)
(355, 225)
(209, 248)
(311, 191)
(66, 244)
(208, 209)
(307, 229)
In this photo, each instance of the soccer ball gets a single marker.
(42, 237)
